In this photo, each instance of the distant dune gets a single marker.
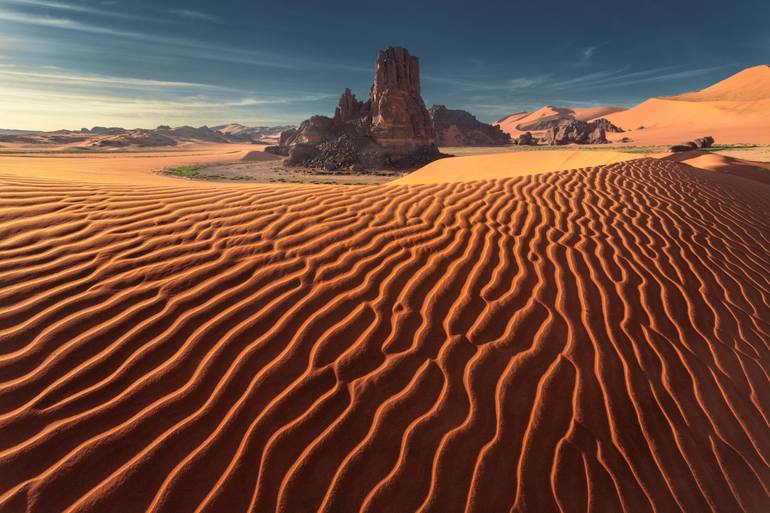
(521, 122)
(735, 110)
(593, 339)
(751, 84)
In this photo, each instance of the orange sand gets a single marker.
(126, 167)
(758, 171)
(585, 340)
(735, 110)
(508, 165)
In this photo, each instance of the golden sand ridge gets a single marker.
(587, 339)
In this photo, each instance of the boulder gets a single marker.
(526, 139)
(607, 125)
(460, 128)
(570, 131)
(702, 142)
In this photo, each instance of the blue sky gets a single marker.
(68, 64)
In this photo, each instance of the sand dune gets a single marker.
(673, 121)
(589, 113)
(735, 110)
(518, 123)
(124, 167)
(757, 171)
(750, 84)
(508, 165)
(584, 340)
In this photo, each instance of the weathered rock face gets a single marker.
(570, 131)
(350, 110)
(400, 119)
(607, 125)
(460, 128)
(392, 129)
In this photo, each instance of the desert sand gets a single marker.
(508, 165)
(733, 111)
(128, 167)
(588, 339)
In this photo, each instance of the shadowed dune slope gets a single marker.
(759, 171)
(584, 340)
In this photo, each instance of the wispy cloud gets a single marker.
(621, 77)
(618, 77)
(589, 52)
(193, 15)
(178, 46)
(80, 8)
(103, 80)
(480, 84)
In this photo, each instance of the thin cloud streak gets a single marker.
(107, 80)
(179, 46)
(193, 15)
(617, 78)
(512, 84)
(80, 8)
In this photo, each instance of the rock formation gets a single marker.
(526, 139)
(704, 142)
(350, 110)
(460, 128)
(607, 125)
(569, 131)
(392, 129)
(700, 143)
(400, 119)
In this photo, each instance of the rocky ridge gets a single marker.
(454, 127)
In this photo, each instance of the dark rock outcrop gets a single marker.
(392, 129)
(526, 139)
(678, 148)
(700, 143)
(570, 131)
(607, 125)
(460, 128)
(704, 142)
(350, 110)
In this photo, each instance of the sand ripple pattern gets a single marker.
(593, 340)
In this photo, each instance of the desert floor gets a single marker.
(490, 334)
